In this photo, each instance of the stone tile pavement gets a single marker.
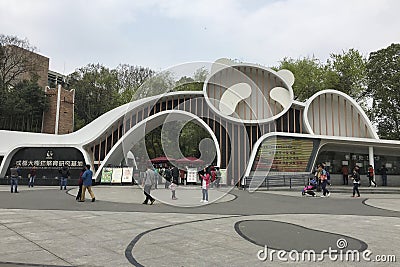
(203, 236)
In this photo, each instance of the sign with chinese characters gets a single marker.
(284, 154)
(49, 160)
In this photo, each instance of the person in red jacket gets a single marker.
(205, 178)
(371, 175)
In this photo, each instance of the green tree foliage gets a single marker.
(383, 70)
(100, 89)
(190, 138)
(164, 137)
(130, 78)
(96, 92)
(346, 72)
(22, 101)
(23, 107)
(194, 83)
(160, 83)
(309, 76)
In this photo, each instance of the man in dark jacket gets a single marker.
(15, 173)
(175, 175)
(168, 177)
(64, 173)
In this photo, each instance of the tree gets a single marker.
(309, 76)
(130, 78)
(22, 101)
(160, 83)
(24, 105)
(16, 61)
(164, 137)
(96, 92)
(383, 72)
(346, 72)
(194, 83)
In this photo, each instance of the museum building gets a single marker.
(250, 112)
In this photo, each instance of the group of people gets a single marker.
(15, 174)
(208, 176)
(370, 175)
(85, 183)
(322, 179)
(85, 180)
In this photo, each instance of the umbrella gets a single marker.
(162, 160)
(190, 160)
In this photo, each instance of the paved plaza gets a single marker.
(46, 226)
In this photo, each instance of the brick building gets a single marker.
(59, 118)
(33, 63)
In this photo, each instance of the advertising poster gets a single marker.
(192, 175)
(116, 176)
(223, 176)
(106, 175)
(284, 155)
(127, 174)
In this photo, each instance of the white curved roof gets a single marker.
(334, 113)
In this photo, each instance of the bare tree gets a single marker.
(18, 61)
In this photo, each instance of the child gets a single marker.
(205, 184)
(308, 190)
(172, 187)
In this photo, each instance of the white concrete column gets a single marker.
(58, 109)
(371, 157)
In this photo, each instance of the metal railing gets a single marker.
(279, 180)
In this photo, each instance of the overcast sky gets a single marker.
(160, 34)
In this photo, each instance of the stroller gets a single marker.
(308, 190)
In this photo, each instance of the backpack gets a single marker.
(168, 175)
(328, 176)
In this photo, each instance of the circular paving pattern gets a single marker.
(286, 236)
(392, 204)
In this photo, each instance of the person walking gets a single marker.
(15, 173)
(32, 176)
(80, 184)
(318, 177)
(324, 182)
(156, 176)
(87, 184)
(213, 177)
(64, 172)
(345, 173)
(218, 177)
(384, 171)
(356, 182)
(371, 176)
(147, 183)
(205, 183)
(168, 177)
